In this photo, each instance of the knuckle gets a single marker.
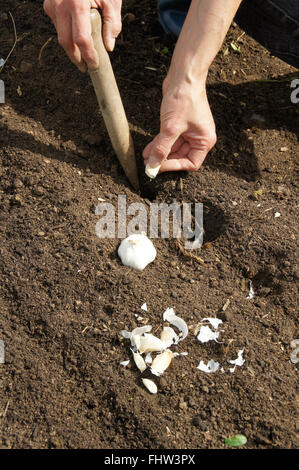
(82, 41)
(171, 128)
(196, 166)
(160, 150)
(117, 27)
(212, 140)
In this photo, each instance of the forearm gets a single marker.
(201, 38)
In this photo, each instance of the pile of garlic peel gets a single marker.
(144, 342)
(137, 251)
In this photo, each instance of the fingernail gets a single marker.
(110, 44)
(154, 161)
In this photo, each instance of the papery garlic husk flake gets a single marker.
(174, 320)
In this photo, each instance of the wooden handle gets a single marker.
(111, 104)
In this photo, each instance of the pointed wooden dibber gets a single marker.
(110, 104)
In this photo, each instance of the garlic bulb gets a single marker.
(152, 171)
(137, 251)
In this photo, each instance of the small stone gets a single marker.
(203, 426)
(196, 420)
(183, 405)
(38, 191)
(92, 139)
(130, 17)
(19, 199)
(225, 315)
(41, 234)
(18, 183)
(283, 149)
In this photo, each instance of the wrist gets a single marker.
(183, 79)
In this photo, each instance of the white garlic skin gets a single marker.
(151, 171)
(137, 251)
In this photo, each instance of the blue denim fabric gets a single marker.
(273, 23)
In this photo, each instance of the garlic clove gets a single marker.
(150, 385)
(137, 251)
(150, 343)
(169, 336)
(161, 362)
(152, 171)
(139, 361)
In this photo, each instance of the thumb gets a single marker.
(112, 24)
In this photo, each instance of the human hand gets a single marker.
(187, 131)
(71, 19)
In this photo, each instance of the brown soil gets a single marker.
(65, 296)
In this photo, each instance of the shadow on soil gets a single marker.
(236, 108)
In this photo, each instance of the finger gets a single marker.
(147, 151)
(162, 145)
(81, 30)
(192, 162)
(65, 39)
(112, 24)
